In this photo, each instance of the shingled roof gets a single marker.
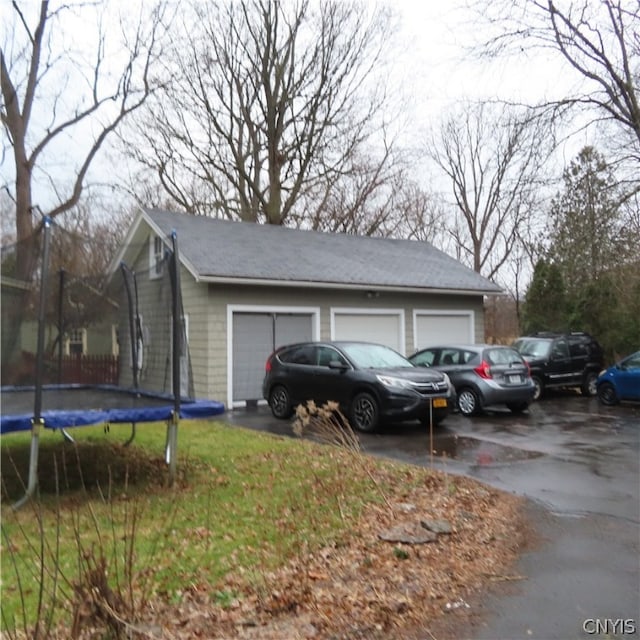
(224, 251)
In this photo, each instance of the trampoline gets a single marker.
(155, 380)
(76, 405)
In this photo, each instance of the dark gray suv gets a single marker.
(562, 360)
(483, 375)
(370, 382)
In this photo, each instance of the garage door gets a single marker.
(383, 328)
(439, 328)
(255, 336)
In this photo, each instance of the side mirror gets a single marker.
(337, 364)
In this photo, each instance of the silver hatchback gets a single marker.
(483, 375)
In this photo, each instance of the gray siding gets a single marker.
(206, 307)
(214, 383)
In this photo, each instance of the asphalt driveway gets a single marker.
(579, 464)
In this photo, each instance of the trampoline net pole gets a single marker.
(177, 322)
(44, 276)
(172, 434)
(132, 324)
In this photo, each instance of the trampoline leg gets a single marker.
(67, 436)
(172, 446)
(33, 463)
(132, 436)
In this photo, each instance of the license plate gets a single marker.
(513, 378)
(440, 402)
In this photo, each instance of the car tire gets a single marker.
(468, 402)
(588, 386)
(607, 394)
(517, 407)
(280, 402)
(364, 413)
(539, 387)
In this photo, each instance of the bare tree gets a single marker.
(271, 104)
(373, 197)
(491, 157)
(53, 98)
(599, 40)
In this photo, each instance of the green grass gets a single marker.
(243, 503)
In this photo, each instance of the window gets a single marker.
(304, 354)
(76, 342)
(424, 359)
(560, 349)
(156, 256)
(449, 357)
(327, 355)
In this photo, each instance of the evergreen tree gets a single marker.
(587, 237)
(544, 308)
(596, 256)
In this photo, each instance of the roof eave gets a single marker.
(343, 286)
(144, 217)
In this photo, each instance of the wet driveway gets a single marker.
(579, 464)
(567, 452)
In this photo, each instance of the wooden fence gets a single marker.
(75, 369)
(86, 369)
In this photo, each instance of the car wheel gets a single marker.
(280, 402)
(517, 407)
(539, 387)
(607, 394)
(589, 387)
(364, 412)
(468, 402)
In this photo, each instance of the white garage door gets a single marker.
(383, 328)
(255, 336)
(442, 328)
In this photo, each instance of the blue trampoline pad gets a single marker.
(65, 406)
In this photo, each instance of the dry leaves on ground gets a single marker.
(361, 586)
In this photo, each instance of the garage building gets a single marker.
(250, 288)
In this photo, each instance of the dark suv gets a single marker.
(562, 360)
(369, 381)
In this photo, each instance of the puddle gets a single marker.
(480, 452)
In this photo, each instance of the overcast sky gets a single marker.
(438, 35)
(431, 68)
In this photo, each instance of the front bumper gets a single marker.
(401, 406)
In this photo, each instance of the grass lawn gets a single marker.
(260, 538)
(244, 503)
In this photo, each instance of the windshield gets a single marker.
(503, 356)
(374, 356)
(532, 347)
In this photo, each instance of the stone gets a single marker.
(437, 526)
(408, 534)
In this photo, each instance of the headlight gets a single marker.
(452, 389)
(390, 381)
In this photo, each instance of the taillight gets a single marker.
(484, 370)
(267, 365)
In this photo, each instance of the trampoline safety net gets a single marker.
(86, 343)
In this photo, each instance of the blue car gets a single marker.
(621, 381)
